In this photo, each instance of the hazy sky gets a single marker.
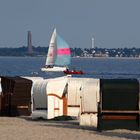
(112, 23)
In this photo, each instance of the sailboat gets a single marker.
(59, 55)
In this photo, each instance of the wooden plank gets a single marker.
(119, 117)
(89, 112)
(73, 105)
(56, 108)
(21, 107)
(120, 111)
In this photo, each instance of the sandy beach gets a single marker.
(23, 128)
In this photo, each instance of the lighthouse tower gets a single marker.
(92, 43)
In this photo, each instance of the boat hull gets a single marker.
(54, 69)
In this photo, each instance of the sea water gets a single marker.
(93, 67)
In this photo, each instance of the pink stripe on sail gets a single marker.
(63, 51)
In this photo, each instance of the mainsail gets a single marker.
(50, 60)
(58, 52)
(63, 52)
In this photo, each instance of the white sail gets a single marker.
(58, 54)
(52, 50)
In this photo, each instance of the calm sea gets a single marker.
(93, 67)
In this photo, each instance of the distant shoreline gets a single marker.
(82, 57)
(109, 57)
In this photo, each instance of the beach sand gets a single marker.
(24, 128)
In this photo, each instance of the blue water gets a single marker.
(93, 67)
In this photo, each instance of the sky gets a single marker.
(112, 23)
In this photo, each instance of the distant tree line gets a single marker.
(23, 51)
(75, 52)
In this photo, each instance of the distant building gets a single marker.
(29, 43)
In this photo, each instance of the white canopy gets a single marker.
(39, 94)
(57, 86)
(90, 95)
